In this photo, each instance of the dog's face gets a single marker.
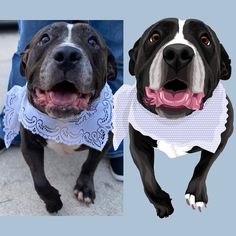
(66, 67)
(177, 64)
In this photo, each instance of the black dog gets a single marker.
(66, 67)
(177, 65)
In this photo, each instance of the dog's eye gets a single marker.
(154, 37)
(93, 42)
(205, 40)
(44, 39)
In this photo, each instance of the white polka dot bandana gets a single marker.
(202, 128)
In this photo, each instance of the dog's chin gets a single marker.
(172, 113)
(61, 112)
(62, 101)
(57, 111)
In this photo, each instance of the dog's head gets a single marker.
(66, 67)
(177, 64)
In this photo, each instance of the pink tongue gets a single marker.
(184, 98)
(175, 99)
(62, 99)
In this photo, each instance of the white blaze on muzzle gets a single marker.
(69, 37)
(157, 74)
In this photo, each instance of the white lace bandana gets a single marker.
(202, 128)
(91, 127)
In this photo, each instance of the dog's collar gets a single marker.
(91, 127)
(202, 128)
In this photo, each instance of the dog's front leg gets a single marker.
(33, 152)
(142, 151)
(84, 188)
(196, 193)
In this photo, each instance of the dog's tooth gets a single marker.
(87, 97)
(161, 95)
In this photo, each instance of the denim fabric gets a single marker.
(112, 31)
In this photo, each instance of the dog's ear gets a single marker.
(225, 65)
(111, 66)
(23, 60)
(133, 56)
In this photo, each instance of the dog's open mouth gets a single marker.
(63, 95)
(174, 94)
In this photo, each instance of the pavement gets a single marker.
(18, 196)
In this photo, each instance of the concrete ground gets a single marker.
(17, 194)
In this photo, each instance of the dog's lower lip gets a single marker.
(184, 98)
(177, 99)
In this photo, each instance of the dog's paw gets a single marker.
(164, 208)
(51, 197)
(54, 206)
(190, 199)
(84, 190)
(84, 196)
(196, 194)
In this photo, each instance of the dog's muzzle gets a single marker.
(175, 91)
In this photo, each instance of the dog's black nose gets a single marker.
(178, 55)
(67, 57)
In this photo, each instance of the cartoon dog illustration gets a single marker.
(177, 105)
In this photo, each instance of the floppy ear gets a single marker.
(133, 56)
(225, 66)
(111, 66)
(23, 60)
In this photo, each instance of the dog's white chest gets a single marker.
(171, 150)
(61, 148)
